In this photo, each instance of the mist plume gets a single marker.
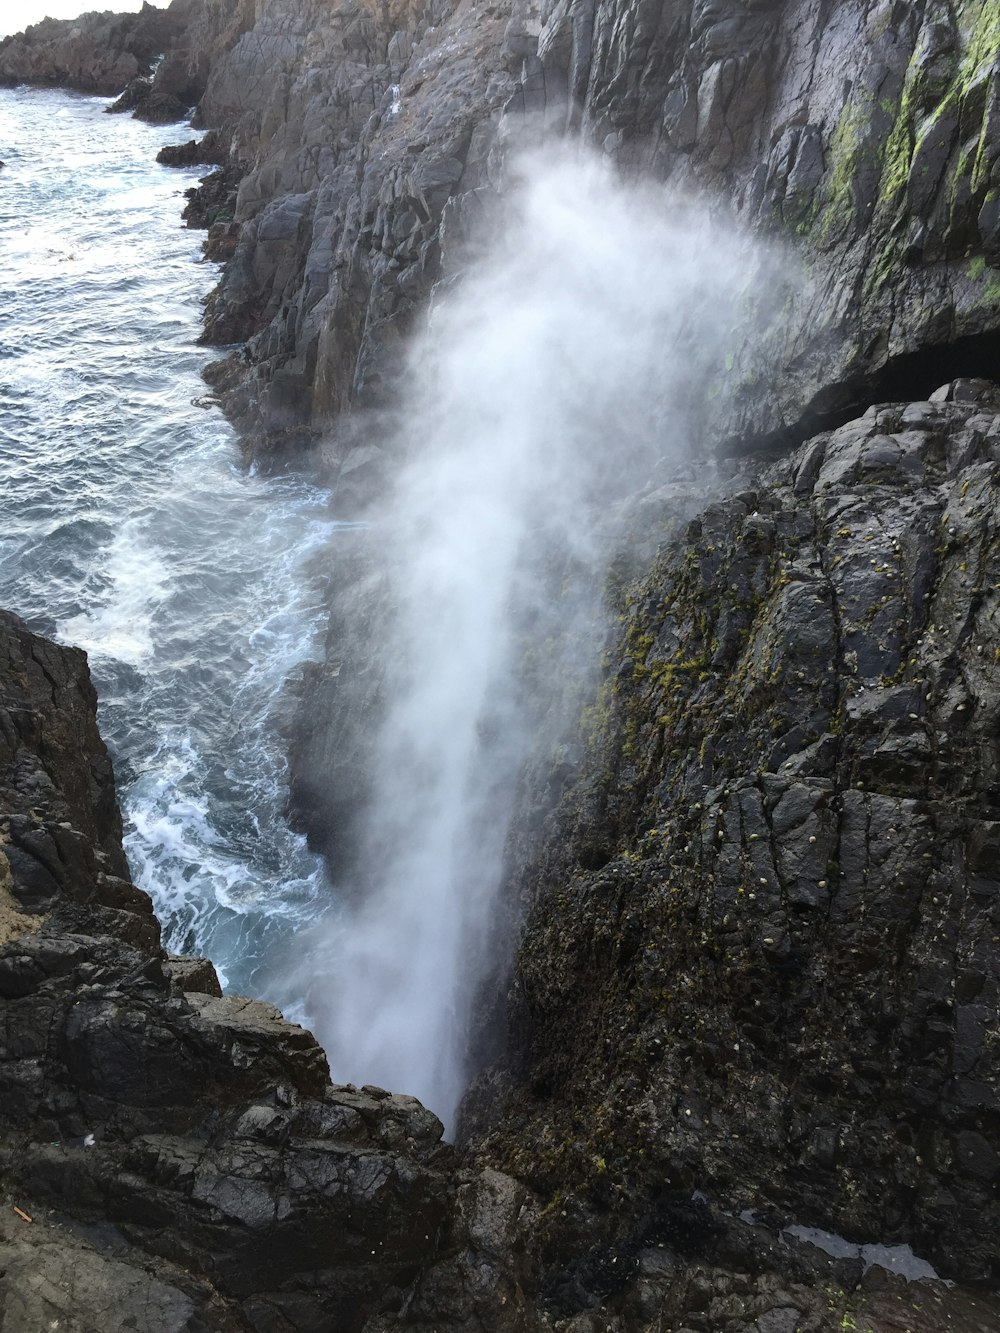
(578, 350)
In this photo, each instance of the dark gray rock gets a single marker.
(390, 122)
(96, 53)
(177, 1160)
(149, 1123)
(189, 975)
(759, 955)
(774, 982)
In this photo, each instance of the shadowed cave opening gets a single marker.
(911, 377)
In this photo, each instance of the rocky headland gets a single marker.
(98, 53)
(754, 896)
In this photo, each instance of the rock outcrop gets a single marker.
(370, 140)
(639, 954)
(169, 1158)
(356, 126)
(367, 139)
(761, 955)
(760, 973)
(97, 53)
(155, 63)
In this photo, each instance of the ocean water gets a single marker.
(128, 527)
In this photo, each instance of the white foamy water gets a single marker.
(128, 527)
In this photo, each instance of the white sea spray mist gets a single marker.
(578, 349)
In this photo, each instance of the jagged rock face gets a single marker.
(860, 135)
(358, 125)
(146, 1122)
(98, 53)
(177, 1161)
(114, 54)
(815, 1074)
(208, 29)
(762, 959)
(863, 132)
(49, 728)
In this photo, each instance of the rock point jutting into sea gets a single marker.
(651, 356)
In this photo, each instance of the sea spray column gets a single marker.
(573, 356)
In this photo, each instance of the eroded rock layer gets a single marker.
(174, 1160)
(762, 956)
(100, 53)
(171, 1159)
(860, 135)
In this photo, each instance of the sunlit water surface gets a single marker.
(128, 527)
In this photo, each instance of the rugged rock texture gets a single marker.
(145, 104)
(761, 956)
(155, 62)
(202, 32)
(97, 53)
(758, 971)
(860, 134)
(703, 998)
(357, 125)
(147, 1123)
(173, 1160)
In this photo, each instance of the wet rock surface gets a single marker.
(356, 127)
(154, 107)
(150, 1125)
(366, 143)
(172, 1159)
(760, 956)
(754, 962)
(360, 146)
(756, 984)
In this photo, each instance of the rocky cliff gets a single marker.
(172, 1160)
(861, 135)
(100, 53)
(367, 139)
(755, 984)
(760, 956)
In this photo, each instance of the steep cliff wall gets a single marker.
(156, 61)
(810, 1043)
(175, 1161)
(760, 959)
(358, 125)
(861, 135)
(99, 53)
(171, 1159)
